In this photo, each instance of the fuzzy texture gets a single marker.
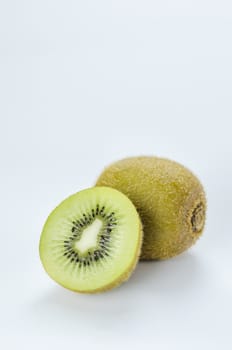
(169, 198)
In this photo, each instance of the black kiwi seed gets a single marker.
(68, 249)
(102, 210)
(111, 220)
(75, 223)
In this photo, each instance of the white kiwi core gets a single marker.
(89, 236)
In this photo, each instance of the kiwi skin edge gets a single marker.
(170, 199)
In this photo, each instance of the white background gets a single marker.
(82, 84)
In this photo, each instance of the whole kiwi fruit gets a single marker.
(169, 198)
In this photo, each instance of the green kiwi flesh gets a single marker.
(92, 240)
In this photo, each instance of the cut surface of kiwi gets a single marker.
(91, 242)
(169, 198)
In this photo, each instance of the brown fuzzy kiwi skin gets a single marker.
(122, 278)
(169, 198)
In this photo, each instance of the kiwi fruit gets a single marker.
(169, 198)
(92, 240)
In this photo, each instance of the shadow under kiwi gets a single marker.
(178, 275)
(155, 282)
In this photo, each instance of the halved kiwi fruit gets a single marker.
(169, 198)
(91, 242)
